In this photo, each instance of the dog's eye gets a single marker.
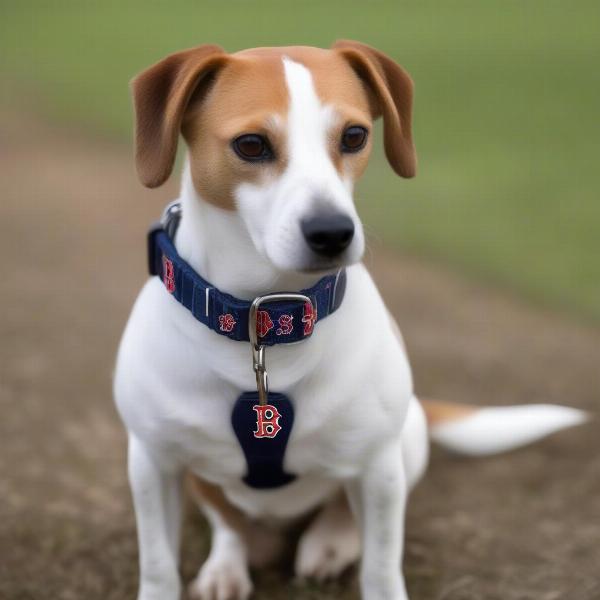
(252, 146)
(354, 138)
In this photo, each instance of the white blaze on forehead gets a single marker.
(308, 119)
(275, 208)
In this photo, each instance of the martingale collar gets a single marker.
(276, 323)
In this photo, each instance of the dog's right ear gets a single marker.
(161, 95)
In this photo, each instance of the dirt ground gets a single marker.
(525, 525)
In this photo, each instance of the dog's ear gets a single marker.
(161, 95)
(391, 92)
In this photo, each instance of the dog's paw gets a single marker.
(221, 578)
(325, 552)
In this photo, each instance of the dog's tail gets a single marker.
(481, 431)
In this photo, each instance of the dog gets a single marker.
(263, 248)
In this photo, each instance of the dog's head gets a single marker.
(280, 135)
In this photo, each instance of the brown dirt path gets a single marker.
(72, 221)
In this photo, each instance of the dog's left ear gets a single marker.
(160, 95)
(391, 91)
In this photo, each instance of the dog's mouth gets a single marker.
(326, 267)
(314, 269)
(313, 264)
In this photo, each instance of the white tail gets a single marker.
(482, 431)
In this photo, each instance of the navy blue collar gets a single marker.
(279, 323)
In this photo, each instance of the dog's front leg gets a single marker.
(156, 489)
(378, 499)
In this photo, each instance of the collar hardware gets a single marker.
(258, 349)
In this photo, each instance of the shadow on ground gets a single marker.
(72, 221)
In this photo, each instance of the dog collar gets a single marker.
(288, 318)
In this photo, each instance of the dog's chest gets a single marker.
(329, 435)
(177, 383)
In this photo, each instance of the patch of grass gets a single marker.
(506, 113)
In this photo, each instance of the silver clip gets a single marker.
(171, 217)
(258, 349)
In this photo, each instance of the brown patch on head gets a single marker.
(248, 91)
(338, 87)
(213, 97)
(249, 95)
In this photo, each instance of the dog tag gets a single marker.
(263, 432)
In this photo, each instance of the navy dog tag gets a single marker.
(263, 433)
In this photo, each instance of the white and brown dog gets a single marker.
(276, 138)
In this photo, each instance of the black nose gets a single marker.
(328, 235)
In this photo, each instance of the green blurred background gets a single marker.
(507, 96)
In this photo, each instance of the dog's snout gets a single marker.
(328, 235)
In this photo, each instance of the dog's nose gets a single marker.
(328, 235)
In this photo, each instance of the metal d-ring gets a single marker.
(258, 349)
(171, 218)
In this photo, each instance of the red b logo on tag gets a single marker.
(267, 421)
